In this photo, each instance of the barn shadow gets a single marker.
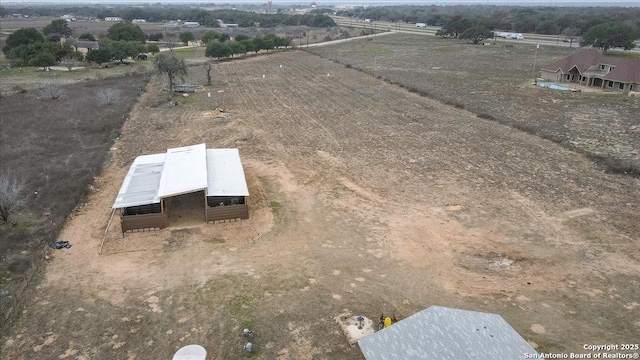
(186, 210)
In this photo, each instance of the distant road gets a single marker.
(431, 30)
(325, 43)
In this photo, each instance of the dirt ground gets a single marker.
(364, 198)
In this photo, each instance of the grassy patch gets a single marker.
(241, 307)
(275, 206)
(185, 100)
(27, 224)
(17, 71)
(184, 51)
(447, 49)
(62, 73)
(374, 50)
(191, 53)
(623, 54)
(87, 71)
(546, 347)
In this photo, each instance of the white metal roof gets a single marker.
(182, 171)
(225, 173)
(140, 186)
(185, 171)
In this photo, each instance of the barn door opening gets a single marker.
(187, 209)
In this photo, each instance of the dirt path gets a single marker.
(363, 197)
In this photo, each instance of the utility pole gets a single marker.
(535, 57)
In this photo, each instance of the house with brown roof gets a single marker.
(82, 45)
(593, 69)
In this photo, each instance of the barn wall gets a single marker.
(227, 212)
(144, 221)
(213, 201)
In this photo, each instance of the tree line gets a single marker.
(605, 35)
(541, 20)
(219, 47)
(207, 18)
(29, 47)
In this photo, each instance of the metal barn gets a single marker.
(227, 187)
(153, 180)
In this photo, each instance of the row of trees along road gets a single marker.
(219, 46)
(604, 36)
(547, 20)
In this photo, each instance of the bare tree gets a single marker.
(171, 38)
(51, 89)
(173, 66)
(208, 68)
(571, 33)
(12, 196)
(108, 96)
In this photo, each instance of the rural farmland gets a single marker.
(496, 82)
(366, 198)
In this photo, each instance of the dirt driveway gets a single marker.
(364, 197)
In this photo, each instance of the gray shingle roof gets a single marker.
(83, 44)
(440, 333)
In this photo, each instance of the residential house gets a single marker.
(593, 69)
(82, 46)
(196, 43)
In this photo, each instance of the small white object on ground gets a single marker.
(191, 352)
